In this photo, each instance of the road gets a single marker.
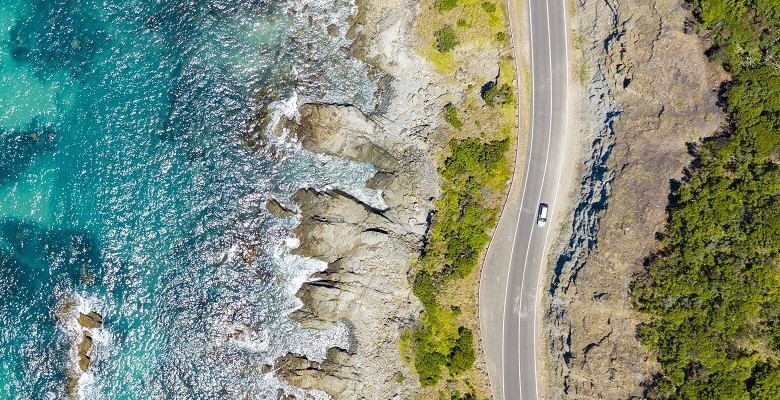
(544, 161)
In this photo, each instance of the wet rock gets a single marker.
(277, 209)
(343, 131)
(90, 320)
(369, 251)
(85, 345)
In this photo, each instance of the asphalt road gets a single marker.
(547, 141)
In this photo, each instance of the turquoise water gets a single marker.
(127, 187)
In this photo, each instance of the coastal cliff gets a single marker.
(645, 91)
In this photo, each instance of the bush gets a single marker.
(428, 366)
(501, 36)
(445, 5)
(462, 357)
(498, 95)
(451, 116)
(467, 396)
(489, 7)
(446, 39)
(425, 290)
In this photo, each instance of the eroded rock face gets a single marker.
(343, 131)
(652, 91)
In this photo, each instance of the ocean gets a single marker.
(139, 142)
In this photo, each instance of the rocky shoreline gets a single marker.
(368, 251)
(647, 91)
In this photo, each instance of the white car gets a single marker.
(541, 217)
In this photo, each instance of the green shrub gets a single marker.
(445, 5)
(501, 36)
(425, 290)
(462, 356)
(446, 39)
(467, 396)
(499, 95)
(428, 366)
(451, 116)
(489, 7)
(461, 23)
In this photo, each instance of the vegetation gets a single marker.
(495, 94)
(451, 116)
(446, 39)
(445, 5)
(489, 7)
(441, 345)
(712, 293)
(474, 22)
(458, 235)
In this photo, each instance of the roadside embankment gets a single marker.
(645, 90)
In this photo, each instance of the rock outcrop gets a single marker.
(647, 91)
(366, 285)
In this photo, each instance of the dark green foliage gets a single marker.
(446, 39)
(501, 36)
(467, 396)
(713, 291)
(499, 95)
(462, 356)
(451, 116)
(428, 364)
(445, 5)
(457, 236)
(766, 383)
(489, 7)
(463, 220)
(425, 290)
